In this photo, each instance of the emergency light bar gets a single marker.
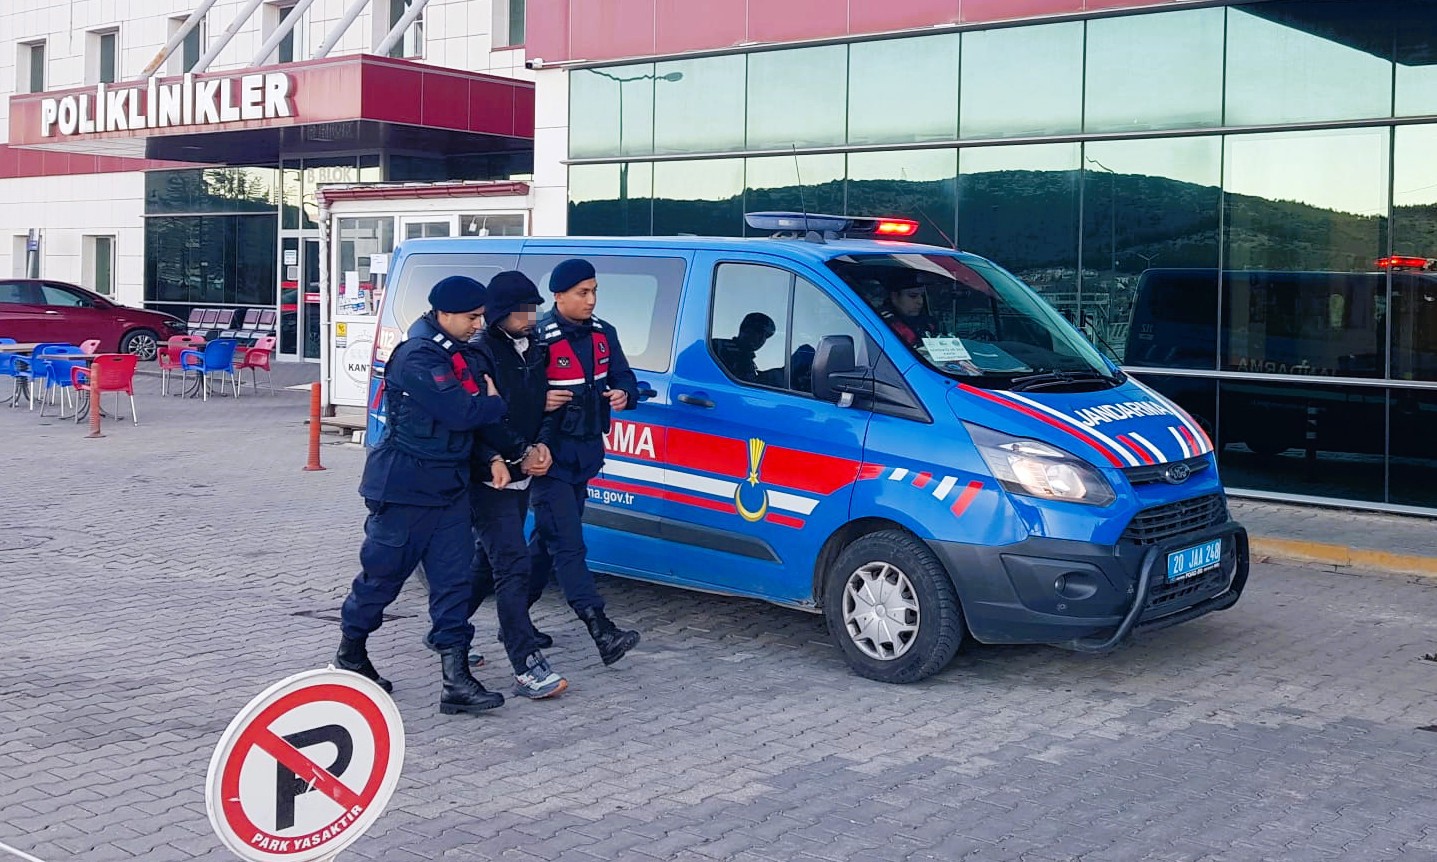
(797, 224)
(1402, 261)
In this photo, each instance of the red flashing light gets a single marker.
(1402, 261)
(896, 227)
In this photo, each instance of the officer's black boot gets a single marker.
(612, 641)
(353, 655)
(462, 692)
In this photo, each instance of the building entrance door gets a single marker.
(299, 297)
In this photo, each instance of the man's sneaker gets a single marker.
(539, 681)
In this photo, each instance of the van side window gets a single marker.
(767, 323)
(409, 298)
(638, 296)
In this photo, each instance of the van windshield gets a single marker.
(969, 319)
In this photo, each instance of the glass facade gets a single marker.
(1237, 202)
(210, 238)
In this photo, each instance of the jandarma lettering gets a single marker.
(190, 101)
(1091, 416)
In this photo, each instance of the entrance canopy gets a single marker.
(251, 116)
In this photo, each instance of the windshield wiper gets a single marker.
(1055, 379)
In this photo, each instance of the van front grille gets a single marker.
(1160, 523)
(1162, 595)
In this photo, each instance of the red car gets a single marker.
(33, 310)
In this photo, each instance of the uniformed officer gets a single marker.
(905, 312)
(416, 484)
(588, 377)
(501, 559)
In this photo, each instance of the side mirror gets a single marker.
(835, 356)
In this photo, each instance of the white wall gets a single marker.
(550, 186)
(67, 209)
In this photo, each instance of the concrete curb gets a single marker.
(1344, 556)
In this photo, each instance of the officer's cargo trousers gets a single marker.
(558, 542)
(397, 537)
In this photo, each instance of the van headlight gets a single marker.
(1036, 469)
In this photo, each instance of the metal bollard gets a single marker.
(95, 401)
(313, 429)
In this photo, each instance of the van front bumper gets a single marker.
(1087, 596)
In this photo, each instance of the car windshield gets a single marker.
(971, 320)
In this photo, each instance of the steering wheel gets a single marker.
(982, 335)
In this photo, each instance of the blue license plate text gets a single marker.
(1194, 560)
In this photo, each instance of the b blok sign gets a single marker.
(305, 768)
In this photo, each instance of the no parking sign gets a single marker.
(305, 768)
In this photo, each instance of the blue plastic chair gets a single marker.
(7, 368)
(31, 370)
(57, 373)
(218, 357)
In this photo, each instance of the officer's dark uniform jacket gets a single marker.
(911, 329)
(435, 403)
(522, 382)
(585, 359)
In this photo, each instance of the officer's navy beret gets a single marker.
(457, 294)
(570, 273)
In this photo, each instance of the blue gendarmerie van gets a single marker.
(904, 438)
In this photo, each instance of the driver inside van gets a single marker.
(906, 313)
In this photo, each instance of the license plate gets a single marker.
(1194, 560)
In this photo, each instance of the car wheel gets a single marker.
(144, 343)
(892, 608)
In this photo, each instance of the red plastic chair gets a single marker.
(258, 357)
(169, 356)
(91, 346)
(117, 374)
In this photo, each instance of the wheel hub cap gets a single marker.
(880, 611)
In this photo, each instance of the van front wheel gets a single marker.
(892, 608)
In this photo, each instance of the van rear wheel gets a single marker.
(892, 608)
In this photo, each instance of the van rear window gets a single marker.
(638, 296)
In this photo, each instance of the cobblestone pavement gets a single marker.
(157, 579)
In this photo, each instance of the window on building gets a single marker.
(778, 120)
(411, 45)
(491, 224)
(516, 22)
(291, 47)
(99, 264)
(611, 111)
(30, 67)
(1299, 61)
(102, 60)
(188, 52)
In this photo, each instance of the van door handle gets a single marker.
(698, 399)
(646, 391)
(52, 312)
